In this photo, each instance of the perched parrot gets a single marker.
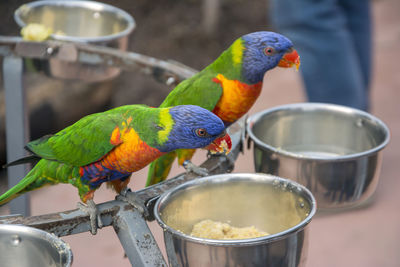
(109, 146)
(229, 86)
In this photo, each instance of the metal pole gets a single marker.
(210, 16)
(136, 238)
(17, 128)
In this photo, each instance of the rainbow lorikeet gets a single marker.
(109, 146)
(229, 86)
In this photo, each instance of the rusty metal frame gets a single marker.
(128, 223)
(169, 72)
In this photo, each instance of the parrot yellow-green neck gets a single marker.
(167, 123)
(145, 119)
(237, 52)
(230, 61)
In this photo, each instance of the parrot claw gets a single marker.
(190, 167)
(127, 195)
(95, 219)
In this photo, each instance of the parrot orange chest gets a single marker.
(237, 98)
(131, 154)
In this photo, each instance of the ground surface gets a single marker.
(367, 237)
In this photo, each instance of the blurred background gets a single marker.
(194, 34)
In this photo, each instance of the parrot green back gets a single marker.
(201, 89)
(77, 144)
(89, 139)
(85, 142)
(198, 90)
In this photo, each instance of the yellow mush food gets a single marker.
(218, 230)
(36, 32)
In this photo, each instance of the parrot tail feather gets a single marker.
(27, 159)
(14, 191)
(159, 169)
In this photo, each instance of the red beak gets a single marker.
(290, 59)
(221, 144)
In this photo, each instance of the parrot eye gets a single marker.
(269, 51)
(201, 132)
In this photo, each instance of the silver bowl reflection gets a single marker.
(334, 151)
(80, 21)
(278, 206)
(24, 246)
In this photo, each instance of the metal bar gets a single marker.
(17, 129)
(210, 16)
(136, 238)
(76, 221)
(168, 72)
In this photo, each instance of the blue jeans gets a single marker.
(333, 38)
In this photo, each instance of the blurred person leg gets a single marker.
(334, 43)
(358, 15)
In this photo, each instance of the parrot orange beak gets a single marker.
(290, 59)
(221, 144)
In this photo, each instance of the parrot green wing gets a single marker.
(200, 90)
(84, 142)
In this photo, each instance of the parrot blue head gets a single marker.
(195, 127)
(263, 51)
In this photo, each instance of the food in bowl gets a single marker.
(218, 230)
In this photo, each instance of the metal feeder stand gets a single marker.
(128, 223)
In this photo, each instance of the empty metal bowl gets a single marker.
(83, 22)
(278, 206)
(25, 246)
(335, 151)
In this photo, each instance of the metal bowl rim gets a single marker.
(56, 241)
(220, 178)
(317, 106)
(84, 4)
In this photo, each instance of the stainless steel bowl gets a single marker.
(25, 246)
(278, 206)
(333, 150)
(80, 21)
